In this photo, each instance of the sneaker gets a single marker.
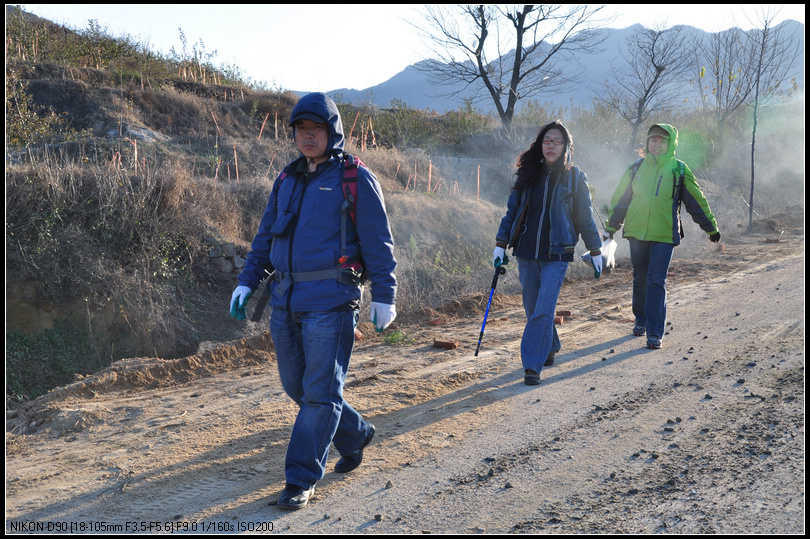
(550, 359)
(295, 497)
(653, 343)
(349, 463)
(639, 331)
(532, 378)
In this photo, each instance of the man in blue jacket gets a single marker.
(318, 258)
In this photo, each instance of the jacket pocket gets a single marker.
(321, 209)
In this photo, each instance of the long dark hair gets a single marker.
(529, 162)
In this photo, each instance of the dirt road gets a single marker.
(703, 436)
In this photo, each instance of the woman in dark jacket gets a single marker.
(548, 210)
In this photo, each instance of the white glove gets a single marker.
(239, 299)
(382, 315)
(499, 257)
(597, 265)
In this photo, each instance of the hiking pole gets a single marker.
(500, 270)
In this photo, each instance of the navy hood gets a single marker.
(320, 107)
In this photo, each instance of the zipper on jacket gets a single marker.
(542, 217)
(657, 187)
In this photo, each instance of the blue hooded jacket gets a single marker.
(312, 241)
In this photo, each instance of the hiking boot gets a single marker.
(639, 331)
(550, 359)
(351, 462)
(295, 497)
(532, 378)
(653, 343)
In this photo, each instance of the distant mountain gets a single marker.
(417, 91)
(411, 86)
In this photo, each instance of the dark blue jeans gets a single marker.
(313, 351)
(541, 282)
(651, 261)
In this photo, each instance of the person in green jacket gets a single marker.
(648, 203)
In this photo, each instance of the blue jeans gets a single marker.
(541, 282)
(313, 351)
(651, 261)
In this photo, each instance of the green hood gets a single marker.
(673, 139)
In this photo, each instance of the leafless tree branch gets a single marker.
(651, 76)
(508, 53)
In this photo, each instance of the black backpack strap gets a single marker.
(634, 168)
(677, 190)
(573, 180)
(263, 299)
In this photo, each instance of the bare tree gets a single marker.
(729, 64)
(775, 52)
(651, 76)
(725, 83)
(509, 52)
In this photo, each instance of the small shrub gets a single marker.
(397, 338)
(27, 124)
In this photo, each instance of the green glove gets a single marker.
(596, 262)
(499, 257)
(239, 299)
(382, 315)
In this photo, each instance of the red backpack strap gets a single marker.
(348, 180)
(280, 178)
(349, 183)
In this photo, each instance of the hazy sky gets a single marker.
(313, 47)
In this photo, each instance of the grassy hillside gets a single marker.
(120, 189)
(134, 181)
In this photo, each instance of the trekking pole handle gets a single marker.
(500, 270)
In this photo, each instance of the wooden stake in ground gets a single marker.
(352, 129)
(262, 129)
(216, 123)
(270, 166)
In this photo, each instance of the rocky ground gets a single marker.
(703, 436)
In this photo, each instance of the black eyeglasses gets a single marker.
(554, 141)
